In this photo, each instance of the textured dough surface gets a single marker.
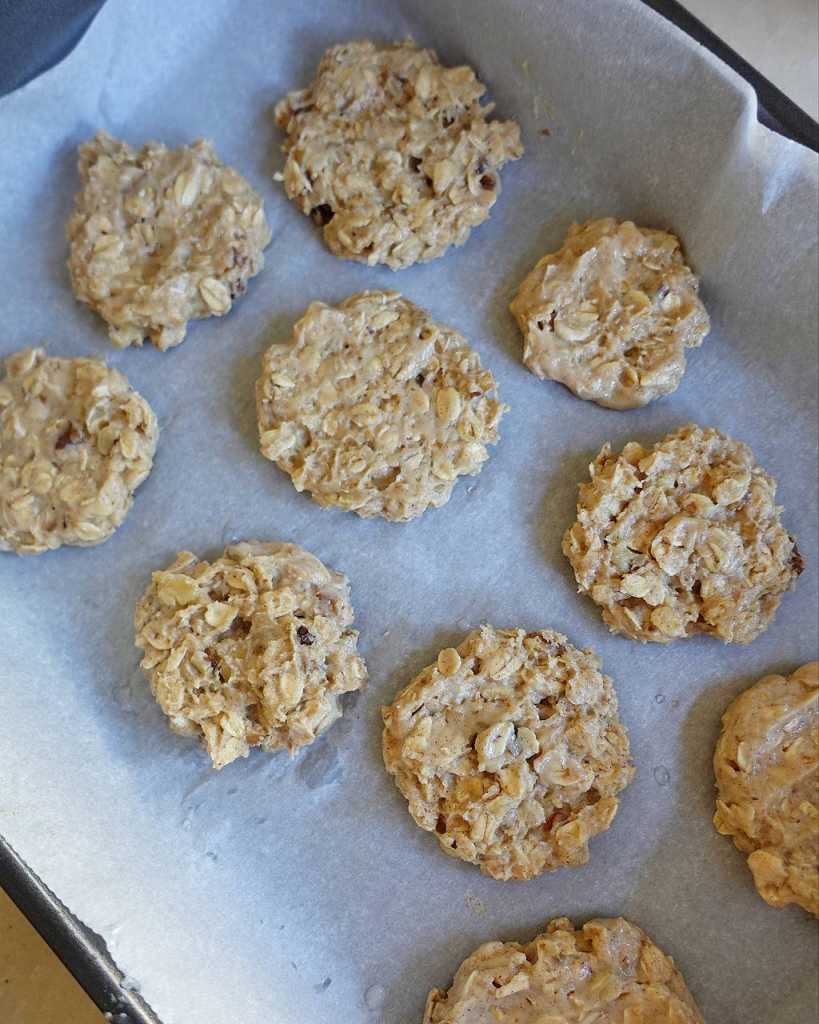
(607, 972)
(376, 408)
(161, 236)
(510, 751)
(767, 770)
(393, 154)
(611, 313)
(252, 650)
(76, 441)
(682, 538)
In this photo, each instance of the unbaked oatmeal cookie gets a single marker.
(376, 408)
(161, 236)
(76, 441)
(252, 650)
(682, 538)
(611, 313)
(392, 154)
(607, 972)
(509, 750)
(767, 770)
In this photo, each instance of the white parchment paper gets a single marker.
(302, 893)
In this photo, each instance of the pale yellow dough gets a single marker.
(611, 313)
(161, 236)
(375, 408)
(392, 154)
(76, 441)
(682, 538)
(767, 770)
(252, 650)
(607, 972)
(510, 751)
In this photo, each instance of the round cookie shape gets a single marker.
(375, 408)
(161, 236)
(611, 313)
(609, 972)
(510, 751)
(766, 765)
(76, 441)
(392, 154)
(682, 538)
(252, 650)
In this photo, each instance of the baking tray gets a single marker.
(80, 949)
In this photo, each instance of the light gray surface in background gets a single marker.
(780, 38)
(233, 897)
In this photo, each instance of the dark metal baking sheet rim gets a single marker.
(84, 952)
(774, 109)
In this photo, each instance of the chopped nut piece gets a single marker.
(449, 661)
(220, 615)
(177, 591)
(215, 295)
(448, 404)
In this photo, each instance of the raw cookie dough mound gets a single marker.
(767, 770)
(510, 750)
(611, 314)
(393, 154)
(608, 972)
(161, 236)
(375, 408)
(682, 538)
(76, 441)
(253, 650)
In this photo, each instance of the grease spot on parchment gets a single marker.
(374, 997)
(473, 904)
(320, 766)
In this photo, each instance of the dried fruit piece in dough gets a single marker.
(392, 154)
(767, 769)
(252, 650)
(611, 313)
(510, 751)
(376, 408)
(682, 538)
(76, 441)
(607, 972)
(161, 236)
